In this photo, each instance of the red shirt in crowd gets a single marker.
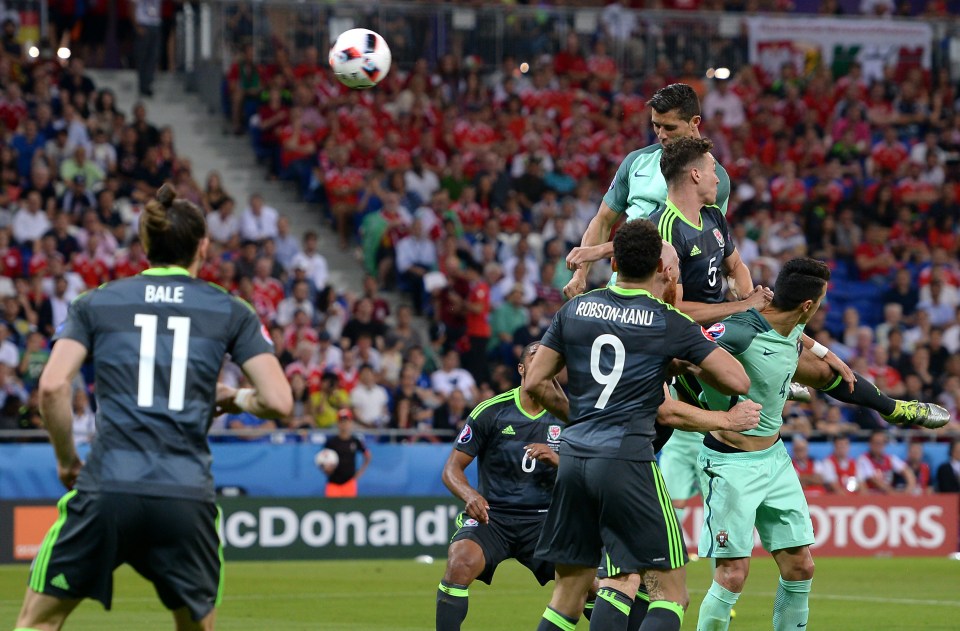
(478, 324)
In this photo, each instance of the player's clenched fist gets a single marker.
(477, 508)
(743, 416)
(575, 287)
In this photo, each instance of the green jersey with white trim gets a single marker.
(638, 188)
(701, 250)
(770, 359)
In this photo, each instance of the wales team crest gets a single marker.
(719, 236)
(553, 433)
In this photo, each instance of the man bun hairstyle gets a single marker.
(680, 155)
(799, 280)
(676, 96)
(636, 249)
(171, 228)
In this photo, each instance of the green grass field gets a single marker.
(848, 595)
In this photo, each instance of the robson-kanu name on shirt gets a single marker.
(620, 314)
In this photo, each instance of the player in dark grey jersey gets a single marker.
(516, 441)
(145, 496)
(617, 344)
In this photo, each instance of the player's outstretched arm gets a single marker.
(270, 396)
(724, 373)
(55, 405)
(742, 417)
(594, 246)
(707, 314)
(540, 384)
(455, 479)
(738, 274)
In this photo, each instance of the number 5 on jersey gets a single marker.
(147, 323)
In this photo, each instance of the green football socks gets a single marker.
(663, 615)
(865, 394)
(639, 610)
(715, 609)
(791, 609)
(588, 607)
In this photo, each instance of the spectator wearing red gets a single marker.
(874, 259)
(878, 468)
(839, 470)
(921, 470)
(477, 321)
(889, 154)
(132, 262)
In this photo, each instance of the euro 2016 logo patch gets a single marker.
(722, 539)
(719, 236)
(466, 434)
(716, 331)
(553, 433)
(470, 522)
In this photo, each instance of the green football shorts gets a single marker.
(678, 464)
(751, 489)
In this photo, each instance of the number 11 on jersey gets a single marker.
(147, 323)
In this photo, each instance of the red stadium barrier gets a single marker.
(870, 525)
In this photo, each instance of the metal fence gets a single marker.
(642, 43)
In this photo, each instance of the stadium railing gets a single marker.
(210, 32)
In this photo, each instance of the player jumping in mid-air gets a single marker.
(145, 495)
(748, 479)
(617, 344)
(516, 442)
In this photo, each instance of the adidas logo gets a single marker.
(60, 582)
(509, 431)
(695, 251)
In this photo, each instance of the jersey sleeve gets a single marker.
(728, 245)
(733, 335)
(78, 325)
(617, 195)
(723, 189)
(473, 436)
(685, 339)
(553, 338)
(361, 446)
(248, 338)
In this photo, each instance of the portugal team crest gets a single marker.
(722, 539)
(553, 433)
(716, 331)
(466, 434)
(719, 236)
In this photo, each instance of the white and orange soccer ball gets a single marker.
(360, 58)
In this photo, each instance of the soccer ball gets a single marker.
(326, 459)
(360, 58)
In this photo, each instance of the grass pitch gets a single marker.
(848, 595)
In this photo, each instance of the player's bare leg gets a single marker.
(728, 580)
(814, 372)
(791, 609)
(185, 622)
(668, 599)
(465, 562)
(41, 612)
(569, 595)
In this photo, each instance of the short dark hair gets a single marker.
(636, 248)
(680, 155)
(800, 279)
(527, 351)
(676, 96)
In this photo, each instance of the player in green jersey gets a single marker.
(747, 478)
